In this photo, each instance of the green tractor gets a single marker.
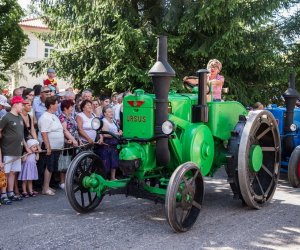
(171, 140)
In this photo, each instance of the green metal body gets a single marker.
(138, 116)
(202, 143)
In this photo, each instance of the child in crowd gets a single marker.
(29, 169)
(51, 82)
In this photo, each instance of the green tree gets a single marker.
(97, 45)
(111, 44)
(244, 35)
(12, 39)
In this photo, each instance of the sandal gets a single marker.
(25, 195)
(15, 198)
(5, 201)
(48, 192)
(32, 194)
(35, 192)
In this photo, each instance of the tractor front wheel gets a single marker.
(184, 197)
(81, 198)
(294, 168)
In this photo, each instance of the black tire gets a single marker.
(254, 188)
(80, 198)
(294, 168)
(257, 188)
(186, 182)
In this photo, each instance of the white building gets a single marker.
(36, 50)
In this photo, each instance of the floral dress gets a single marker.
(72, 128)
(71, 124)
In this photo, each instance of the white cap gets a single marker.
(3, 101)
(32, 142)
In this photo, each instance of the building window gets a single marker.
(48, 49)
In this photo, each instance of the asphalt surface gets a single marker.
(45, 222)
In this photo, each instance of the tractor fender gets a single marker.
(198, 147)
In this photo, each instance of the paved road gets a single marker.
(47, 222)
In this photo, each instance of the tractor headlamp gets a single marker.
(168, 127)
(293, 127)
(96, 123)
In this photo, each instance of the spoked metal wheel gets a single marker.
(259, 159)
(184, 197)
(294, 168)
(80, 198)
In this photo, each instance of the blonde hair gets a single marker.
(214, 63)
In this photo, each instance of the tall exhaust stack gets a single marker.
(290, 96)
(200, 110)
(162, 74)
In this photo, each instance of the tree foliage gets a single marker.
(12, 39)
(111, 44)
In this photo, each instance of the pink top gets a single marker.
(217, 90)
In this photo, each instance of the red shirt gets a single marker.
(50, 82)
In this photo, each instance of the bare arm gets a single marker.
(105, 128)
(46, 141)
(33, 132)
(32, 129)
(34, 119)
(68, 135)
(26, 146)
(98, 111)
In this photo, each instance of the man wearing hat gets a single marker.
(11, 146)
(51, 81)
(3, 105)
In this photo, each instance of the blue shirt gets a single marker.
(38, 107)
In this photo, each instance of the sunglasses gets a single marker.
(46, 91)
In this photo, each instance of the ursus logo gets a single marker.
(136, 118)
(135, 103)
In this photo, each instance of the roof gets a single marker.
(34, 23)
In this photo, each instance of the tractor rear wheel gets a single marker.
(184, 197)
(80, 198)
(256, 159)
(294, 168)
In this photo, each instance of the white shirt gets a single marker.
(112, 127)
(117, 108)
(87, 126)
(50, 123)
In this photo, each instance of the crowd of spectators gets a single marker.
(41, 130)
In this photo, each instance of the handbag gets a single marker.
(2, 179)
(64, 161)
